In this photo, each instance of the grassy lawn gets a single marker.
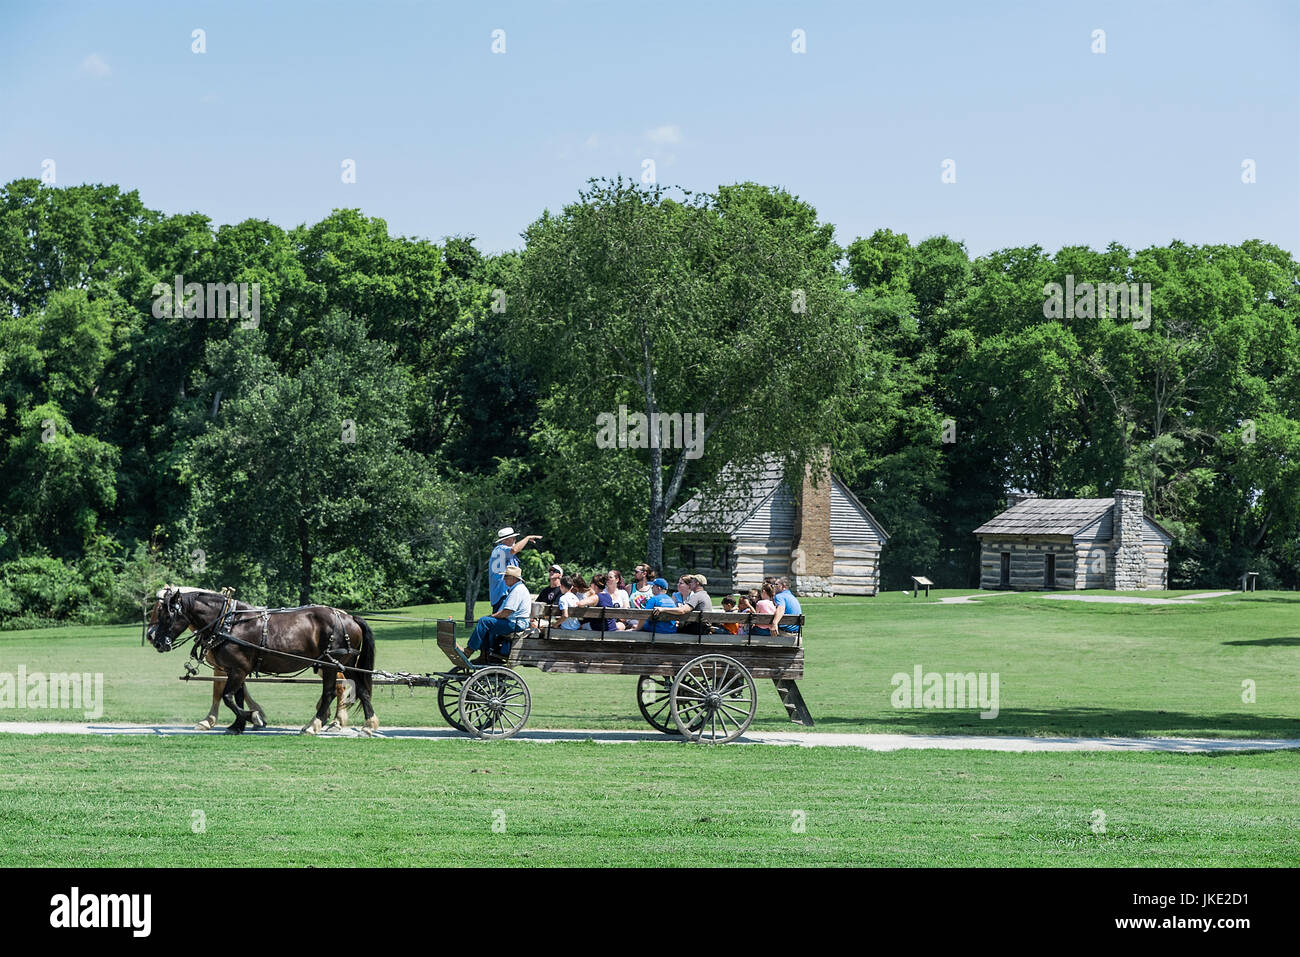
(1064, 667)
(288, 801)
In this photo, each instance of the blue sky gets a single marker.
(1053, 144)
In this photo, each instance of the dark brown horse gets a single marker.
(241, 640)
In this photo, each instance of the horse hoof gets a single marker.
(372, 723)
(234, 729)
(205, 725)
(259, 719)
(313, 727)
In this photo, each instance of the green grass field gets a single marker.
(1065, 668)
(291, 801)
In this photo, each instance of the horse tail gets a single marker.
(366, 660)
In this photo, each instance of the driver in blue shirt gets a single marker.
(503, 554)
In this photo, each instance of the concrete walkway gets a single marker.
(1134, 600)
(804, 739)
(1112, 599)
(972, 599)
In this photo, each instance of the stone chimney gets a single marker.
(1130, 555)
(1015, 498)
(812, 561)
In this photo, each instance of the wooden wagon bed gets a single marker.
(655, 656)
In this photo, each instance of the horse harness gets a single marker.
(222, 633)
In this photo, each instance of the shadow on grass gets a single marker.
(1290, 641)
(1084, 722)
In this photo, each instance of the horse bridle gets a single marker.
(175, 610)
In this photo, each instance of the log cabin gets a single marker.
(1074, 543)
(751, 525)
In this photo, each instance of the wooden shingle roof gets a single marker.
(741, 492)
(734, 496)
(1047, 516)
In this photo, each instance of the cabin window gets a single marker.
(719, 557)
(686, 554)
(1005, 578)
(1049, 576)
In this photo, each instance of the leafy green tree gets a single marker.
(87, 237)
(61, 484)
(302, 463)
(728, 306)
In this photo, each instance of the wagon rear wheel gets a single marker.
(449, 700)
(494, 703)
(713, 699)
(653, 697)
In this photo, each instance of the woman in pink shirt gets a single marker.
(765, 606)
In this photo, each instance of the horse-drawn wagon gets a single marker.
(696, 681)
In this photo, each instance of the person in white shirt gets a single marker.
(569, 598)
(641, 591)
(611, 596)
(493, 632)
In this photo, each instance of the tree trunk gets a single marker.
(654, 551)
(473, 578)
(304, 553)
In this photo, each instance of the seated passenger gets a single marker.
(569, 585)
(786, 604)
(600, 585)
(765, 606)
(494, 633)
(695, 599)
(617, 589)
(641, 591)
(730, 627)
(660, 600)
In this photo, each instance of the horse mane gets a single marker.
(205, 592)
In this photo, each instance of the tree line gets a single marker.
(358, 434)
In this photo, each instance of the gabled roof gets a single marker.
(738, 494)
(1047, 516)
(857, 503)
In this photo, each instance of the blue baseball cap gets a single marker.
(660, 583)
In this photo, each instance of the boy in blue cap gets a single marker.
(660, 598)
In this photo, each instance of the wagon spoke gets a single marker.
(735, 682)
(732, 709)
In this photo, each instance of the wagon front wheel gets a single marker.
(713, 699)
(494, 703)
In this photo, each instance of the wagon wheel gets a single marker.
(449, 700)
(653, 698)
(494, 703)
(713, 699)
